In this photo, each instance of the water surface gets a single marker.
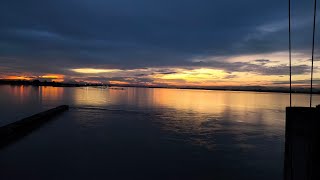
(146, 133)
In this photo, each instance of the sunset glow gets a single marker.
(155, 50)
(17, 78)
(52, 76)
(159, 89)
(196, 75)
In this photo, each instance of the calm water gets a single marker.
(140, 133)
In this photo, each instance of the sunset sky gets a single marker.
(157, 42)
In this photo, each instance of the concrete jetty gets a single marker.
(14, 131)
(302, 143)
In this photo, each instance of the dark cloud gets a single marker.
(260, 68)
(272, 70)
(55, 35)
(140, 75)
(231, 76)
(164, 71)
(262, 60)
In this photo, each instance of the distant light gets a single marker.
(93, 71)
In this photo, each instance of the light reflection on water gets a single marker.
(242, 127)
(180, 110)
(203, 101)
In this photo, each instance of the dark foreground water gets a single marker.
(137, 133)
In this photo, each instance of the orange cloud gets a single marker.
(52, 76)
(17, 77)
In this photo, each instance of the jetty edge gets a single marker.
(14, 131)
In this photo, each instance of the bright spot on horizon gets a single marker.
(93, 70)
(52, 76)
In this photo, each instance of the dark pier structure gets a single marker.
(14, 131)
(302, 139)
(302, 146)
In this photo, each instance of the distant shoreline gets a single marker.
(299, 91)
(53, 84)
(244, 89)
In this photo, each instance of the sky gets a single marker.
(157, 42)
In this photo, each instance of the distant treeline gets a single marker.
(45, 83)
(232, 88)
(226, 88)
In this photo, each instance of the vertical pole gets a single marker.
(312, 54)
(290, 51)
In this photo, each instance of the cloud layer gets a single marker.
(55, 36)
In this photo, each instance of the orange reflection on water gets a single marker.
(51, 93)
(204, 102)
(90, 97)
(194, 100)
(22, 93)
(207, 101)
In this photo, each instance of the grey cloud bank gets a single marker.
(56, 35)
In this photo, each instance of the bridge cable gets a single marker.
(312, 54)
(290, 52)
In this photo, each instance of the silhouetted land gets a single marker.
(54, 84)
(227, 88)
